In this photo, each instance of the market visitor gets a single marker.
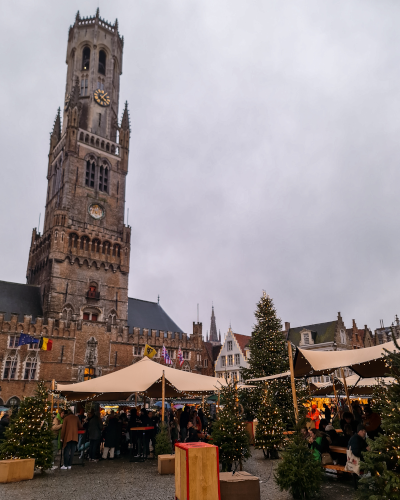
(348, 418)
(327, 413)
(314, 416)
(56, 428)
(358, 445)
(94, 428)
(318, 443)
(196, 421)
(4, 423)
(192, 436)
(69, 437)
(372, 422)
(111, 434)
(183, 423)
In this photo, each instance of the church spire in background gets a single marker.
(213, 329)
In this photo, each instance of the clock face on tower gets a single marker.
(101, 97)
(96, 211)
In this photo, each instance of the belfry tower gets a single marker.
(81, 261)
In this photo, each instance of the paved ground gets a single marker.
(140, 481)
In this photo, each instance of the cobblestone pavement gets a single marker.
(140, 481)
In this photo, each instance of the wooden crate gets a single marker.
(239, 485)
(12, 471)
(166, 464)
(196, 472)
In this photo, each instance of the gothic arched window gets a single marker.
(103, 179)
(106, 247)
(102, 62)
(85, 58)
(10, 368)
(30, 368)
(85, 243)
(90, 173)
(117, 250)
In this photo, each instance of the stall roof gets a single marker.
(270, 377)
(364, 387)
(367, 362)
(145, 377)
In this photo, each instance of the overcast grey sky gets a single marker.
(264, 151)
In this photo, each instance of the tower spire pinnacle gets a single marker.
(213, 328)
(125, 125)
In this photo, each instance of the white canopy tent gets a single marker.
(145, 377)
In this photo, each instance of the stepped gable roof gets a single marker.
(242, 340)
(321, 332)
(145, 314)
(20, 299)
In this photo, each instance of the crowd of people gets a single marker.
(108, 436)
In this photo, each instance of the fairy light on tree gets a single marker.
(229, 430)
(29, 434)
(382, 461)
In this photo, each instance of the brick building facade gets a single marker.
(78, 268)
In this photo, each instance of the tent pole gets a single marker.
(163, 397)
(53, 385)
(346, 390)
(296, 409)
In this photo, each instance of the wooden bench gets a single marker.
(337, 468)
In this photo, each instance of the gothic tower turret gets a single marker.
(213, 330)
(81, 261)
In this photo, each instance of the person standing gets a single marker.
(69, 437)
(94, 430)
(358, 445)
(56, 428)
(327, 413)
(183, 422)
(112, 436)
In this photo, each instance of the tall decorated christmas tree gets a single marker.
(229, 431)
(29, 434)
(272, 405)
(382, 460)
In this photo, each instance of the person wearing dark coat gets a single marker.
(133, 434)
(183, 422)
(192, 436)
(348, 418)
(94, 427)
(112, 436)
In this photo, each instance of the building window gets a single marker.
(90, 174)
(100, 85)
(306, 338)
(237, 359)
(230, 360)
(185, 354)
(205, 363)
(34, 346)
(103, 179)
(223, 360)
(10, 368)
(89, 373)
(89, 316)
(102, 62)
(85, 58)
(84, 86)
(138, 351)
(229, 345)
(30, 369)
(13, 341)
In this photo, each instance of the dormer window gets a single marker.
(306, 338)
(102, 62)
(85, 58)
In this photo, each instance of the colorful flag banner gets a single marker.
(26, 339)
(180, 357)
(149, 351)
(45, 344)
(165, 355)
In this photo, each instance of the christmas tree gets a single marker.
(382, 460)
(269, 431)
(299, 472)
(229, 430)
(29, 434)
(163, 441)
(268, 356)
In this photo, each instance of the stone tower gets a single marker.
(214, 339)
(81, 261)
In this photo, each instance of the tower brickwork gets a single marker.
(81, 260)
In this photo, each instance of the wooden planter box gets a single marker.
(12, 471)
(196, 471)
(166, 464)
(239, 485)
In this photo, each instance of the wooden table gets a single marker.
(338, 449)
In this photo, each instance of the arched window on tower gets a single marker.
(102, 62)
(85, 243)
(73, 240)
(90, 173)
(103, 179)
(85, 58)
